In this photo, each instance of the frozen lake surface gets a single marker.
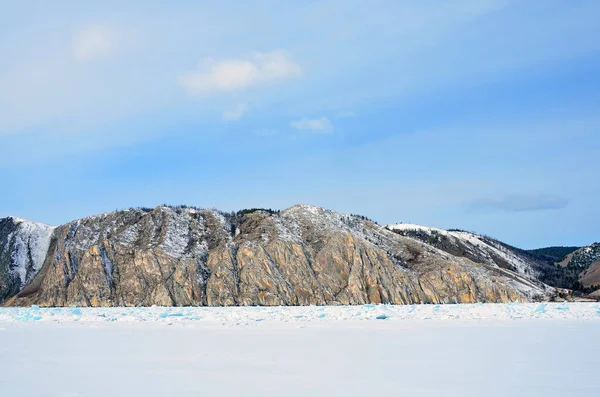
(454, 350)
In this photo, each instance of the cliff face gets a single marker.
(303, 255)
(23, 248)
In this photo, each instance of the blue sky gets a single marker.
(473, 114)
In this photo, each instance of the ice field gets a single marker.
(248, 316)
(545, 349)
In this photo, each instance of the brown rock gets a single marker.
(302, 256)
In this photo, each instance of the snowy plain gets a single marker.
(540, 349)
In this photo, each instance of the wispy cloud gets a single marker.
(517, 203)
(236, 74)
(237, 113)
(40, 84)
(322, 125)
(93, 42)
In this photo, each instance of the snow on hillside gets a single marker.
(326, 220)
(583, 257)
(491, 249)
(410, 226)
(30, 242)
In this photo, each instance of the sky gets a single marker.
(481, 115)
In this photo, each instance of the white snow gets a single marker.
(31, 242)
(325, 220)
(487, 247)
(305, 314)
(410, 226)
(177, 235)
(452, 350)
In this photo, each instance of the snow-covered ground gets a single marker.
(450, 350)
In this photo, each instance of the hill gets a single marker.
(304, 255)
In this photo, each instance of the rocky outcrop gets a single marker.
(304, 255)
(23, 248)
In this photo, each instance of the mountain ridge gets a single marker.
(302, 255)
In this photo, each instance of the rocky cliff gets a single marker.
(23, 249)
(301, 256)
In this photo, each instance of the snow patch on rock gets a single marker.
(30, 242)
(488, 247)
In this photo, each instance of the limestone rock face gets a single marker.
(301, 256)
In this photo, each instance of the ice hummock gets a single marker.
(307, 314)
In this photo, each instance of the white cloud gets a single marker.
(92, 42)
(235, 114)
(236, 74)
(316, 125)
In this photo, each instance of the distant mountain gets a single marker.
(562, 267)
(301, 256)
(555, 254)
(583, 267)
(479, 249)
